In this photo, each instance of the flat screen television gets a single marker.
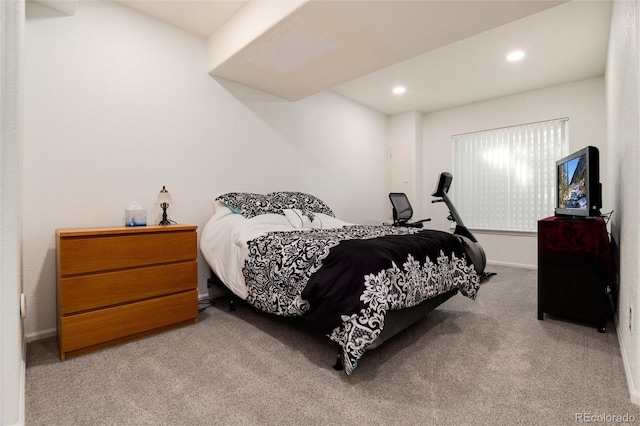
(579, 192)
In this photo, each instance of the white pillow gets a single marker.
(300, 220)
(328, 222)
(218, 205)
(269, 219)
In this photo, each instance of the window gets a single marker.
(504, 179)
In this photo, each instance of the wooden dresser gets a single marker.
(118, 284)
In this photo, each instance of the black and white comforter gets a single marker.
(344, 280)
(287, 254)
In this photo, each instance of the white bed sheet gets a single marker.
(224, 239)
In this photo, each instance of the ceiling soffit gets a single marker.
(321, 44)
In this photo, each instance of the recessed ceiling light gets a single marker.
(399, 90)
(515, 55)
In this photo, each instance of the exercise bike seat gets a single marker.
(402, 211)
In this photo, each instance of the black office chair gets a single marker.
(402, 211)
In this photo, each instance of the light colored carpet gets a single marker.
(483, 362)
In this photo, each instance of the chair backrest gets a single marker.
(402, 210)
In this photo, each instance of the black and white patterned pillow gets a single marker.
(248, 204)
(298, 200)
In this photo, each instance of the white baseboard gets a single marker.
(38, 335)
(513, 265)
(634, 395)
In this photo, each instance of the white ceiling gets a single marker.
(446, 53)
(201, 17)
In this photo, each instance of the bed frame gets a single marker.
(395, 321)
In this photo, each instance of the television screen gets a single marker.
(572, 184)
(579, 189)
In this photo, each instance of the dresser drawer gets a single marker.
(97, 327)
(86, 292)
(81, 255)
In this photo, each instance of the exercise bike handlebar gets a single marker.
(454, 213)
(441, 192)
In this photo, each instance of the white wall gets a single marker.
(119, 104)
(623, 115)
(12, 342)
(583, 102)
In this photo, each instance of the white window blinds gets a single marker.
(504, 179)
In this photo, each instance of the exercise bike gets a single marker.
(471, 246)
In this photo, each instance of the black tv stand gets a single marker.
(575, 269)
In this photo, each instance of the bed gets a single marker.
(287, 254)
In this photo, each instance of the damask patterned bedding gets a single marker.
(285, 253)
